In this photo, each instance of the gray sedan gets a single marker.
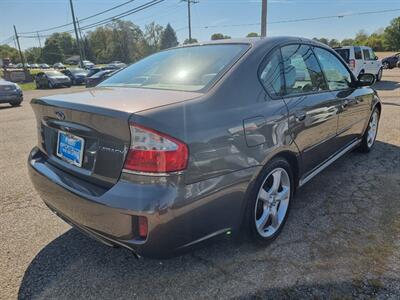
(199, 141)
(10, 93)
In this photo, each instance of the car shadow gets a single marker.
(7, 106)
(387, 85)
(339, 242)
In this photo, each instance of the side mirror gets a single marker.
(366, 79)
(376, 58)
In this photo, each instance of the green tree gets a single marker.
(52, 52)
(33, 54)
(347, 42)
(375, 41)
(126, 41)
(252, 34)
(66, 43)
(192, 41)
(334, 43)
(152, 37)
(168, 38)
(100, 41)
(9, 52)
(322, 40)
(361, 38)
(219, 36)
(391, 35)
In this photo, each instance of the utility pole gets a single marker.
(38, 36)
(264, 18)
(189, 17)
(19, 49)
(80, 36)
(76, 33)
(40, 45)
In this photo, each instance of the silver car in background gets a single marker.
(198, 141)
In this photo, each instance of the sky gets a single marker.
(235, 18)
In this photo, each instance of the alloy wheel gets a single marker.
(272, 202)
(372, 129)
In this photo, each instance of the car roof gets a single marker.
(257, 41)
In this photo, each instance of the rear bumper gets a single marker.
(10, 98)
(179, 216)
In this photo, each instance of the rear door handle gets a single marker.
(300, 115)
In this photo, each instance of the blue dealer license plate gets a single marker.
(70, 148)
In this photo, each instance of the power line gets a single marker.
(83, 19)
(122, 15)
(298, 20)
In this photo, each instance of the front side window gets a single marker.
(271, 75)
(336, 74)
(184, 69)
(301, 70)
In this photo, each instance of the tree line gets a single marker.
(127, 42)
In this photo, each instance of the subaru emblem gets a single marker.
(60, 115)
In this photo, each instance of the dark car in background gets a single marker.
(51, 79)
(98, 77)
(10, 93)
(200, 141)
(77, 76)
(391, 62)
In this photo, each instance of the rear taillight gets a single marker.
(155, 152)
(352, 64)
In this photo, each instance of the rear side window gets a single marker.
(357, 53)
(271, 75)
(301, 70)
(344, 53)
(335, 72)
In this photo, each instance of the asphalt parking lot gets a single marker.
(342, 238)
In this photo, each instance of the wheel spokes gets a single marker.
(277, 175)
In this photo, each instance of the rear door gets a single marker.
(312, 107)
(354, 104)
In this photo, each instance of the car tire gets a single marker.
(369, 137)
(269, 201)
(386, 65)
(37, 85)
(379, 75)
(15, 103)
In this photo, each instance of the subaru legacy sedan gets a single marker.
(199, 141)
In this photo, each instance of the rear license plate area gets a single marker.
(70, 148)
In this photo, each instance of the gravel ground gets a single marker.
(342, 239)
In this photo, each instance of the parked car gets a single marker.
(361, 60)
(94, 70)
(77, 76)
(10, 92)
(44, 66)
(391, 61)
(98, 77)
(20, 65)
(116, 65)
(51, 79)
(34, 66)
(87, 64)
(59, 65)
(192, 143)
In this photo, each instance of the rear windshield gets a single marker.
(186, 69)
(344, 53)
